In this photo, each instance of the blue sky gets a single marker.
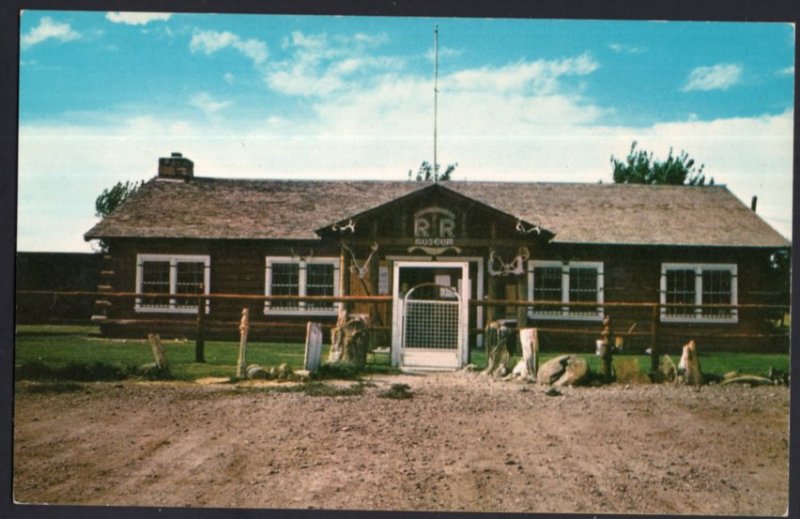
(103, 95)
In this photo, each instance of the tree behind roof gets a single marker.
(426, 173)
(640, 168)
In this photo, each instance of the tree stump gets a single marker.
(528, 366)
(689, 366)
(497, 349)
(349, 342)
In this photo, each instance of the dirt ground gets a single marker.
(462, 442)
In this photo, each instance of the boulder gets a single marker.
(552, 370)
(576, 372)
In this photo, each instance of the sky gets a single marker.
(103, 95)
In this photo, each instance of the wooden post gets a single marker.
(605, 348)
(689, 371)
(244, 328)
(158, 351)
(344, 278)
(654, 338)
(522, 311)
(200, 342)
(491, 310)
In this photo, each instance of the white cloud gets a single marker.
(205, 102)
(133, 18)
(382, 136)
(539, 76)
(209, 42)
(788, 71)
(46, 30)
(444, 53)
(321, 65)
(622, 48)
(229, 78)
(718, 77)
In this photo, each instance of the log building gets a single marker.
(433, 248)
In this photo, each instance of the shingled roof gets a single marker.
(210, 208)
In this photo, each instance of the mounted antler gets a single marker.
(363, 269)
(516, 267)
(521, 228)
(492, 258)
(351, 226)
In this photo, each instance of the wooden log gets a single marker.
(311, 359)
(753, 380)
(158, 351)
(244, 329)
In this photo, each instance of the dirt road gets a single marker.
(463, 442)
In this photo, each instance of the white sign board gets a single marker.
(313, 347)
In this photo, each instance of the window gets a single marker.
(171, 275)
(547, 286)
(698, 284)
(569, 282)
(291, 277)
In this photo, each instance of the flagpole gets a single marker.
(435, 100)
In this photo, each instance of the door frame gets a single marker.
(398, 309)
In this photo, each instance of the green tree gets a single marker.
(640, 168)
(111, 198)
(426, 173)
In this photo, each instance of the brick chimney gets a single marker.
(176, 166)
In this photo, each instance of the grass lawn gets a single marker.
(69, 352)
(60, 349)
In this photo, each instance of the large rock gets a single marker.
(564, 370)
(576, 372)
(552, 370)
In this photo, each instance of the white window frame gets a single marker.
(566, 313)
(301, 308)
(173, 260)
(698, 316)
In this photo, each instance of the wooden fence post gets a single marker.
(244, 328)
(654, 338)
(158, 351)
(200, 342)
